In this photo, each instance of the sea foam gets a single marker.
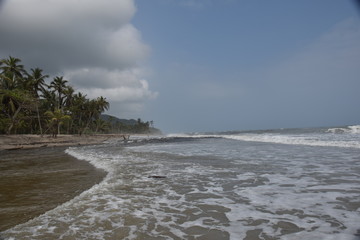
(219, 186)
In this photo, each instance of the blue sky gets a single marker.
(232, 65)
(198, 65)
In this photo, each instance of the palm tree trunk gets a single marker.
(13, 120)
(58, 128)
(88, 123)
(80, 125)
(38, 116)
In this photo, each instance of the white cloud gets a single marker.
(92, 43)
(65, 13)
(124, 93)
(104, 78)
(69, 34)
(125, 44)
(127, 100)
(117, 85)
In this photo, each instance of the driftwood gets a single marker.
(156, 176)
(125, 136)
(14, 148)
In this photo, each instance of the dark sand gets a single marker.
(26, 141)
(33, 181)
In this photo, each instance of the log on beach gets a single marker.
(156, 176)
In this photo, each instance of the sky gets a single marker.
(198, 65)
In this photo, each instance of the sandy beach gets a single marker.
(37, 175)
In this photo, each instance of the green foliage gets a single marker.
(14, 103)
(55, 120)
(129, 126)
(29, 105)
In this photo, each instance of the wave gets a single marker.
(346, 137)
(355, 129)
(297, 140)
(82, 153)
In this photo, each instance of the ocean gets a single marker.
(269, 184)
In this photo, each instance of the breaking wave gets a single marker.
(346, 137)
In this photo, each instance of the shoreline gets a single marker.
(29, 141)
(37, 175)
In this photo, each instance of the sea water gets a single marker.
(274, 184)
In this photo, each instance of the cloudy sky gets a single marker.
(198, 65)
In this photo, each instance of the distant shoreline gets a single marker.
(29, 141)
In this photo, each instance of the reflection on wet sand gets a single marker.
(37, 180)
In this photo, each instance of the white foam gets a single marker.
(90, 156)
(355, 129)
(311, 140)
(349, 139)
(268, 186)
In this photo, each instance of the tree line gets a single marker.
(28, 105)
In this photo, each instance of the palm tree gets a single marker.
(49, 100)
(12, 65)
(37, 82)
(22, 93)
(59, 86)
(14, 101)
(56, 119)
(68, 97)
(90, 109)
(14, 71)
(69, 104)
(101, 125)
(6, 81)
(79, 103)
(102, 104)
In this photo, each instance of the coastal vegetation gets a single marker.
(30, 105)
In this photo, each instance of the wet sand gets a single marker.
(34, 181)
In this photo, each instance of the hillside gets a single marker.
(115, 120)
(129, 125)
